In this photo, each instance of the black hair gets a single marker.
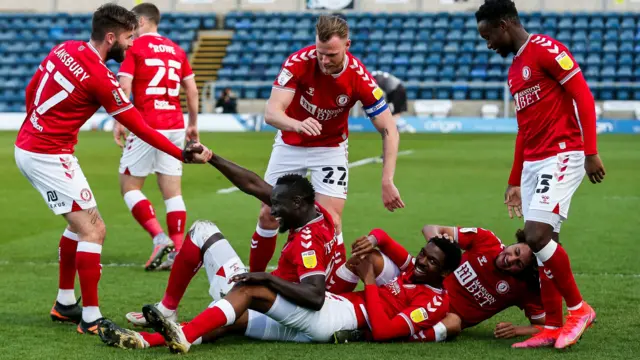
(452, 253)
(148, 10)
(298, 185)
(493, 11)
(112, 18)
(529, 274)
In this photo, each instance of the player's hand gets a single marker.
(309, 127)
(192, 133)
(254, 278)
(595, 169)
(504, 330)
(194, 152)
(391, 196)
(446, 237)
(362, 246)
(119, 133)
(513, 201)
(364, 269)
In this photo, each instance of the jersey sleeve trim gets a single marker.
(312, 273)
(568, 77)
(537, 316)
(284, 88)
(40, 68)
(406, 263)
(189, 77)
(376, 108)
(120, 111)
(409, 322)
(125, 74)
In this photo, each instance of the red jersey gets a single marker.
(419, 306)
(157, 66)
(478, 290)
(545, 111)
(310, 250)
(326, 98)
(70, 85)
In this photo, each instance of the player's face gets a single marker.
(331, 54)
(497, 37)
(514, 258)
(121, 43)
(284, 208)
(428, 266)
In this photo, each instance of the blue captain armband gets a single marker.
(376, 108)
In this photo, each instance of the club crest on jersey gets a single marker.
(502, 287)
(564, 61)
(419, 315)
(342, 100)
(526, 73)
(309, 259)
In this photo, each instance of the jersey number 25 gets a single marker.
(153, 88)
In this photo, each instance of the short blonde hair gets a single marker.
(329, 26)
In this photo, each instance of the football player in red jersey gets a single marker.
(490, 278)
(69, 86)
(554, 149)
(255, 307)
(154, 69)
(309, 105)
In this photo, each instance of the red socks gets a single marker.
(263, 245)
(556, 260)
(221, 314)
(67, 260)
(143, 212)
(89, 271)
(551, 299)
(186, 264)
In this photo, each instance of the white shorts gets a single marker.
(304, 325)
(548, 185)
(58, 178)
(142, 159)
(328, 166)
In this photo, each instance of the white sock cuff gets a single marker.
(346, 274)
(228, 311)
(440, 331)
(266, 233)
(197, 341)
(133, 197)
(70, 235)
(88, 247)
(547, 252)
(176, 203)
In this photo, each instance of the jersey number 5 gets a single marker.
(67, 88)
(153, 88)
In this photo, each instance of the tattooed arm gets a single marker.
(386, 125)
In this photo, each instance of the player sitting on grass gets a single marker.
(412, 302)
(490, 278)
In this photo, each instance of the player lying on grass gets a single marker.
(306, 261)
(412, 302)
(490, 278)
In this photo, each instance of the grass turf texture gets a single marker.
(449, 179)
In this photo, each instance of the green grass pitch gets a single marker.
(448, 179)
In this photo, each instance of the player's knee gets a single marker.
(201, 231)
(95, 233)
(265, 220)
(536, 236)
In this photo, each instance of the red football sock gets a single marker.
(154, 339)
(176, 220)
(556, 260)
(551, 299)
(143, 212)
(208, 320)
(67, 260)
(263, 245)
(186, 265)
(89, 271)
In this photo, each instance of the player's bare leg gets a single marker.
(90, 228)
(263, 241)
(66, 307)
(170, 187)
(144, 213)
(557, 268)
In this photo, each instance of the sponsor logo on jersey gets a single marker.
(502, 287)
(163, 105)
(342, 100)
(162, 48)
(419, 315)
(468, 278)
(309, 259)
(377, 93)
(564, 61)
(307, 105)
(52, 199)
(526, 73)
(117, 97)
(527, 97)
(465, 273)
(85, 194)
(284, 77)
(319, 114)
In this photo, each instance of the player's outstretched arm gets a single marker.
(247, 181)
(386, 125)
(309, 293)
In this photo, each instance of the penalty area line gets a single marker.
(351, 165)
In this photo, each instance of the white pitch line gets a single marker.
(270, 268)
(370, 160)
